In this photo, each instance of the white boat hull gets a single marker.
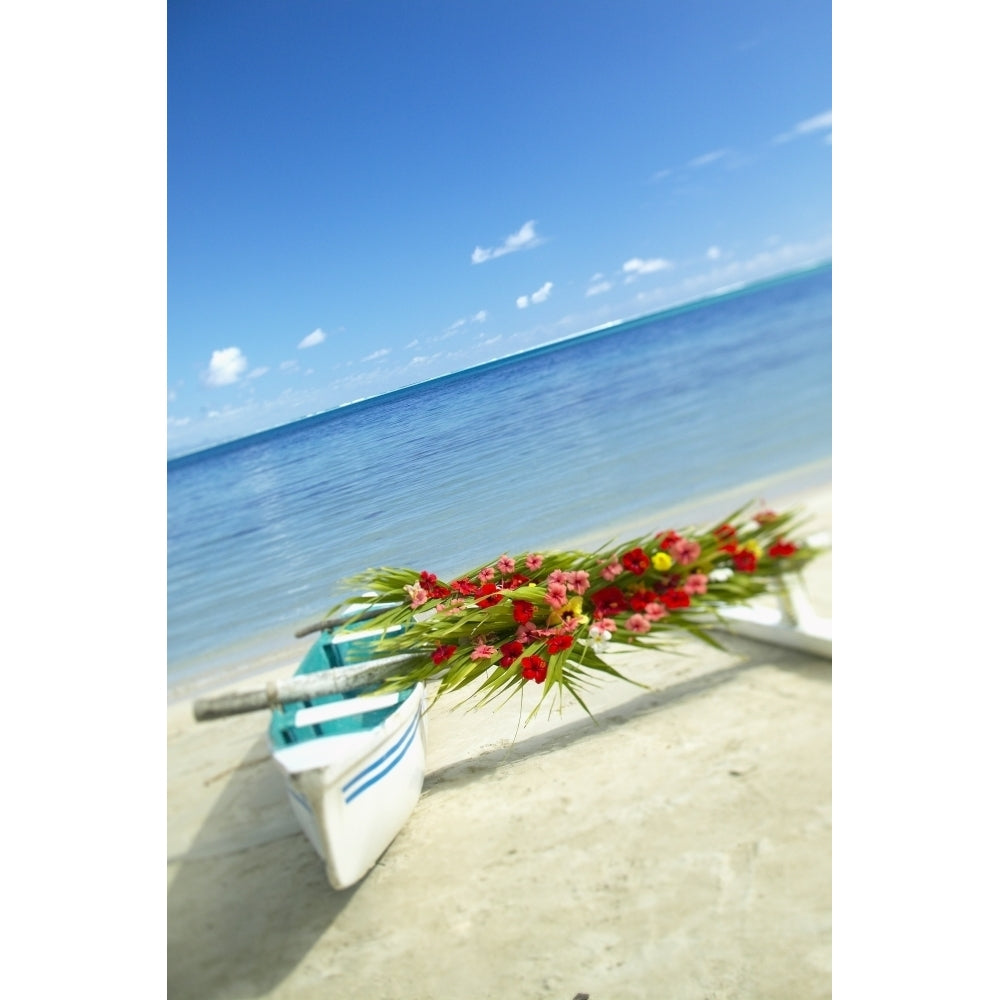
(793, 624)
(352, 793)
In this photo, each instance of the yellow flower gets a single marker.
(753, 547)
(573, 608)
(662, 561)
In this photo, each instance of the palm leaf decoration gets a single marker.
(548, 618)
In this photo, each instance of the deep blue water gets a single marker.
(523, 453)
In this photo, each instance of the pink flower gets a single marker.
(506, 565)
(685, 551)
(613, 569)
(638, 623)
(524, 635)
(557, 576)
(655, 611)
(486, 574)
(534, 561)
(417, 594)
(482, 652)
(697, 583)
(579, 580)
(606, 624)
(556, 595)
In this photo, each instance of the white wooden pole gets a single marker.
(298, 688)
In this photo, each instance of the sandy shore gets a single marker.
(680, 848)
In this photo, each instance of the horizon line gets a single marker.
(733, 289)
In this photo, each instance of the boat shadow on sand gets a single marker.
(249, 898)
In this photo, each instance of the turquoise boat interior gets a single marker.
(329, 652)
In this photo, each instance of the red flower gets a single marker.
(524, 611)
(731, 548)
(744, 561)
(511, 651)
(725, 531)
(557, 643)
(609, 601)
(765, 517)
(641, 598)
(443, 653)
(669, 539)
(466, 587)
(534, 668)
(781, 548)
(636, 561)
(514, 581)
(676, 599)
(490, 594)
(427, 580)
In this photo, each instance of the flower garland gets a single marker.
(547, 618)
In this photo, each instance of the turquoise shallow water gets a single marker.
(555, 444)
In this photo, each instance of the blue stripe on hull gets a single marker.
(301, 799)
(386, 762)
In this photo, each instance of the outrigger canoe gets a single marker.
(352, 762)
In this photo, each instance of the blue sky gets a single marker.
(86, 330)
(363, 195)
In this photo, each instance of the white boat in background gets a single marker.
(793, 624)
(353, 763)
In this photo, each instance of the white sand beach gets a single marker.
(680, 847)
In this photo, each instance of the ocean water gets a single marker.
(554, 445)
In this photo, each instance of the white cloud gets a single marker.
(599, 287)
(314, 338)
(636, 266)
(777, 258)
(287, 366)
(660, 175)
(713, 253)
(523, 239)
(375, 355)
(523, 301)
(411, 345)
(824, 120)
(225, 367)
(706, 158)
(479, 317)
(257, 372)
